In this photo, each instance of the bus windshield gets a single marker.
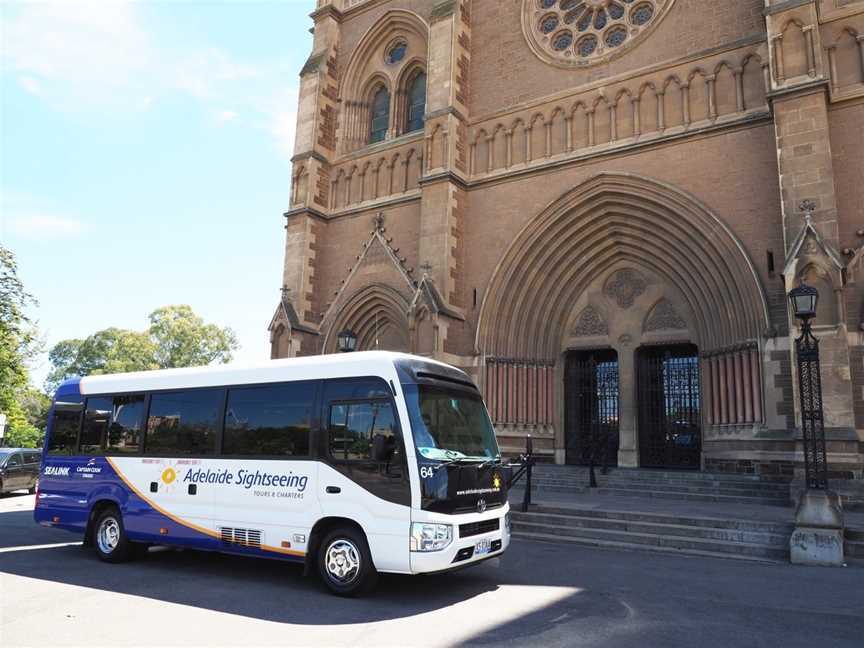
(450, 424)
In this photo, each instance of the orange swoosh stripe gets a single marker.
(186, 523)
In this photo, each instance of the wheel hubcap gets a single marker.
(342, 560)
(108, 535)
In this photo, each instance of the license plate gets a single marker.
(482, 547)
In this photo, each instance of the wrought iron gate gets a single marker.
(591, 408)
(669, 407)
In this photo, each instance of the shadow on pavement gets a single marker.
(269, 590)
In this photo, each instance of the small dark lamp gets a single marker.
(346, 341)
(804, 300)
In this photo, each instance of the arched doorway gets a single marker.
(378, 315)
(623, 262)
(669, 405)
(591, 394)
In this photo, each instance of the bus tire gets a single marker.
(345, 563)
(109, 537)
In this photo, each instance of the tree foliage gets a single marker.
(182, 338)
(18, 344)
(177, 337)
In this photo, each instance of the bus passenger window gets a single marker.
(96, 417)
(271, 420)
(363, 432)
(125, 427)
(184, 422)
(64, 428)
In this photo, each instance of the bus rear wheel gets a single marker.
(110, 539)
(345, 563)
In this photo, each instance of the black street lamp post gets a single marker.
(804, 301)
(818, 535)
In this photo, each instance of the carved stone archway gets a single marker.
(623, 234)
(378, 315)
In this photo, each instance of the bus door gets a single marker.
(364, 475)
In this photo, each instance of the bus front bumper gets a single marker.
(468, 550)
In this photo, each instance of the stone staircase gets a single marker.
(753, 540)
(700, 514)
(676, 485)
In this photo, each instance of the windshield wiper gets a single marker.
(467, 461)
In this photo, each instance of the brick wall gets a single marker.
(508, 73)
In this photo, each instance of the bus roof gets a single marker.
(336, 365)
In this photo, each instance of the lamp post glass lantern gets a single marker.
(346, 341)
(804, 300)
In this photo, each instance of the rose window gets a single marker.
(585, 32)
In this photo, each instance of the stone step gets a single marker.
(696, 497)
(633, 479)
(579, 472)
(720, 489)
(741, 524)
(670, 545)
(703, 496)
(575, 525)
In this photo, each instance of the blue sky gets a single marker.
(144, 159)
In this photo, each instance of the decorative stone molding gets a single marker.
(624, 287)
(590, 323)
(663, 317)
(547, 266)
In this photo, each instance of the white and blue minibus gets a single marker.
(353, 463)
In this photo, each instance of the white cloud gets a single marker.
(83, 50)
(45, 226)
(108, 57)
(220, 117)
(36, 218)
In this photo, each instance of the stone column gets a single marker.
(628, 448)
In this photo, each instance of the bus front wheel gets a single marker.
(345, 563)
(109, 537)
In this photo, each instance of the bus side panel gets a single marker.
(160, 507)
(64, 493)
(387, 525)
(272, 501)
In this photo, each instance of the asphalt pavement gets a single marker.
(53, 593)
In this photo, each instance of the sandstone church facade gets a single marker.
(596, 208)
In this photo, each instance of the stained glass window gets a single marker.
(609, 23)
(416, 103)
(562, 41)
(380, 118)
(548, 24)
(642, 14)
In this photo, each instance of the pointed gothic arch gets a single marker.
(608, 220)
(374, 312)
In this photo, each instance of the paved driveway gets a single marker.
(53, 594)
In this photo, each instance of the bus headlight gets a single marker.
(507, 523)
(430, 537)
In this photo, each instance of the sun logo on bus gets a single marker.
(496, 481)
(169, 475)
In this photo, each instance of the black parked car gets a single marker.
(19, 469)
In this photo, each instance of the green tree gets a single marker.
(110, 351)
(18, 344)
(182, 338)
(177, 337)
